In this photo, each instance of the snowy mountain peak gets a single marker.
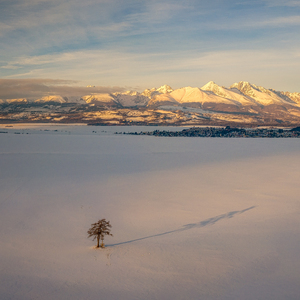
(242, 85)
(131, 93)
(19, 100)
(52, 98)
(209, 86)
(262, 95)
(99, 98)
(295, 97)
(245, 87)
(216, 89)
(150, 93)
(164, 89)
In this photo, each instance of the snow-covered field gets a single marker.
(192, 218)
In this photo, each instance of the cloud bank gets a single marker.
(33, 89)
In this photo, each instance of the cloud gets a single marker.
(145, 43)
(146, 70)
(36, 88)
(49, 24)
(40, 60)
(42, 27)
(282, 3)
(281, 21)
(252, 23)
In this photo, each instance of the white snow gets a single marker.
(189, 94)
(18, 100)
(103, 97)
(233, 94)
(131, 99)
(260, 94)
(192, 218)
(52, 98)
(164, 89)
(162, 98)
(239, 94)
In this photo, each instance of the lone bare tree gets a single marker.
(99, 230)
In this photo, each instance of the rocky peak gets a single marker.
(216, 89)
(245, 87)
(164, 89)
(209, 86)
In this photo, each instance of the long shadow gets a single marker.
(210, 221)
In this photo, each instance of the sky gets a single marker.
(122, 45)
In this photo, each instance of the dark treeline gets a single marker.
(224, 132)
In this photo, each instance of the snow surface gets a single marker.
(103, 97)
(52, 98)
(192, 218)
(19, 100)
(189, 94)
(233, 94)
(259, 94)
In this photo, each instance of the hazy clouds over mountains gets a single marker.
(33, 89)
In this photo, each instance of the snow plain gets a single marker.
(192, 218)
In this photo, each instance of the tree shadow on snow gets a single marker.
(210, 221)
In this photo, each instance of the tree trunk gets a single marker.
(98, 239)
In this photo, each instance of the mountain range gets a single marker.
(242, 95)
(241, 102)
(239, 94)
